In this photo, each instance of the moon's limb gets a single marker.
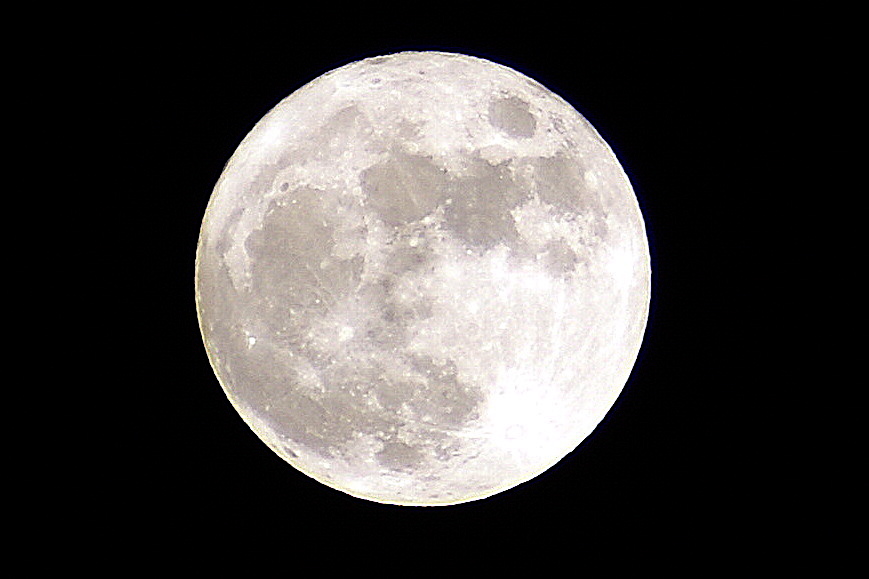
(423, 278)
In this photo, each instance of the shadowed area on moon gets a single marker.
(329, 333)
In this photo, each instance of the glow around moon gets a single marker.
(423, 279)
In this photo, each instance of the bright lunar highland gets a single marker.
(423, 278)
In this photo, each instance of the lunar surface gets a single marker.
(422, 279)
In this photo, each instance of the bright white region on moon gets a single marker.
(423, 279)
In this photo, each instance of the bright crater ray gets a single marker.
(422, 279)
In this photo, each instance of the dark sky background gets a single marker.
(667, 99)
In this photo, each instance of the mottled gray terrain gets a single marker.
(422, 279)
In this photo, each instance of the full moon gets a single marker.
(422, 279)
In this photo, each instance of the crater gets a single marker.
(326, 141)
(217, 294)
(265, 377)
(391, 394)
(480, 206)
(558, 258)
(560, 181)
(293, 272)
(404, 188)
(409, 252)
(511, 115)
(324, 420)
(399, 456)
(443, 398)
(308, 423)
(293, 227)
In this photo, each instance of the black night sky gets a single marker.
(667, 99)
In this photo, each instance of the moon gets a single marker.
(422, 279)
